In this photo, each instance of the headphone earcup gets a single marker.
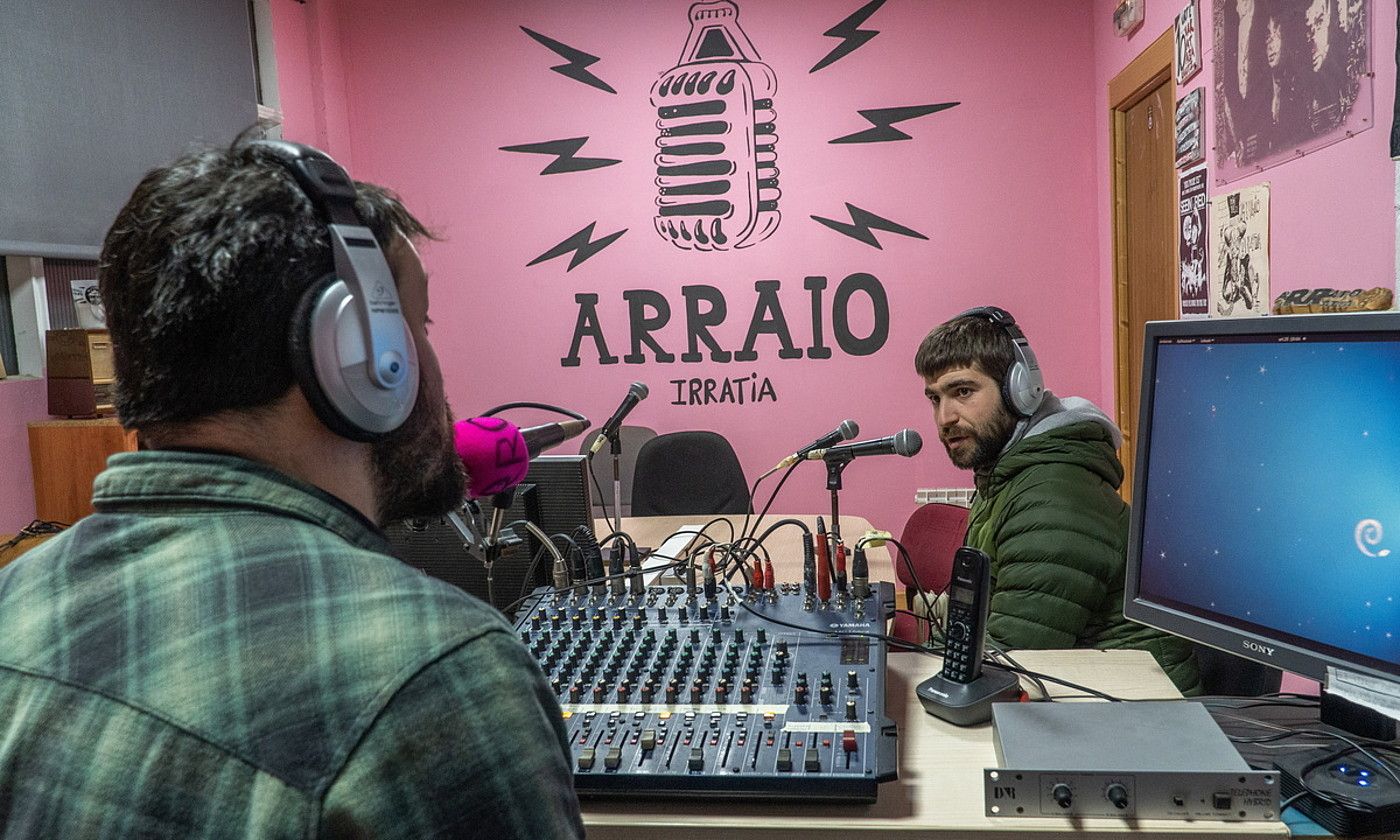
(1023, 390)
(328, 350)
(304, 364)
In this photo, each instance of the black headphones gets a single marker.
(1023, 389)
(351, 349)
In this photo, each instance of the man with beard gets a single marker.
(225, 648)
(1047, 509)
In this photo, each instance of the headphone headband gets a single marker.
(351, 348)
(1023, 389)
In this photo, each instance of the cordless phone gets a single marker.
(969, 594)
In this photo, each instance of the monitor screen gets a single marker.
(1266, 504)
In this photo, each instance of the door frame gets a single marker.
(1151, 68)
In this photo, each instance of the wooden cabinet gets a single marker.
(66, 456)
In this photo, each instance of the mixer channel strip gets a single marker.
(667, 694)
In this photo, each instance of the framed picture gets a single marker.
(1127, 17)
(1291, 76)
(1190, 148)
(1188, 42)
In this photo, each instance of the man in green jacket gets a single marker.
(1047, 509)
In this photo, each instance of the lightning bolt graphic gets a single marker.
(851, 35)
(563, 151)
(863, 221)
(578, 61)
(581, 244)
(884, 119)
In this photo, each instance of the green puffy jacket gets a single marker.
(1050, 517)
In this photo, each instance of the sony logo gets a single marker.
(1258, 648)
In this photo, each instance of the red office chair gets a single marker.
(932, 535)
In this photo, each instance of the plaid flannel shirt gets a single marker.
(221, 651)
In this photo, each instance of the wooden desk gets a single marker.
(939, 790)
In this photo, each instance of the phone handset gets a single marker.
(969, 599)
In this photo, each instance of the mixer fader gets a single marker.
(677, 692)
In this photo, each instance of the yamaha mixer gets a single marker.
(678, 691)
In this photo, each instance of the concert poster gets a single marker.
(1190, 150)
(1291, 76)
(1239, 268)
(1194, 251)
(1188, 42)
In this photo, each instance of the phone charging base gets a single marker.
(968, 704)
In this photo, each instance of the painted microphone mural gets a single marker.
(716, 171)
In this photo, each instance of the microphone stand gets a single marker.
(834, 468)
(615, 440)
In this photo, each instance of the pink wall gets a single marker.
(1341, 196)
(311, 75)
(22, 401)
(1002, 185)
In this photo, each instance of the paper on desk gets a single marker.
(661, 559)
(1371, 692)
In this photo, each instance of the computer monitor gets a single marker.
(1266, 495)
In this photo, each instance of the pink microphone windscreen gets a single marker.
(494, 454)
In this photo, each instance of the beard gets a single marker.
(415, 466)
(988, 439)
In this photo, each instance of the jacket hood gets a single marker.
(1071, 430)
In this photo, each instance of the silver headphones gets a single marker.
(350, 346)
(1023, 389)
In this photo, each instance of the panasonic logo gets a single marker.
(1258, 648)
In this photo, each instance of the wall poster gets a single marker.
(1291, 76)
(1194, 246)
(1188, 42)
(1190, 148)
(1239, 273)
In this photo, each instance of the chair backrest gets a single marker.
(633, 438)
(933, 534)
(683, 473)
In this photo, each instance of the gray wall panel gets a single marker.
(93, 93)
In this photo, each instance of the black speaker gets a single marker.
(435, 546)
(555, 496)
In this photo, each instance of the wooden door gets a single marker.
(1142, 100)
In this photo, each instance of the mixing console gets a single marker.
(673, 692)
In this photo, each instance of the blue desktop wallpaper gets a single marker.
(1273, 492)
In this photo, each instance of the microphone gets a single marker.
(904, 442)
(635, 394)
(847, 430)
(496, 453)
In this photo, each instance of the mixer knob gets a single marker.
(762, 635)
(826, 695)
(697, 758)
(852, 681)
(800, 694)
(850, 710)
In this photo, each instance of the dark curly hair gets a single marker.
(967, 341)
(200, 273)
